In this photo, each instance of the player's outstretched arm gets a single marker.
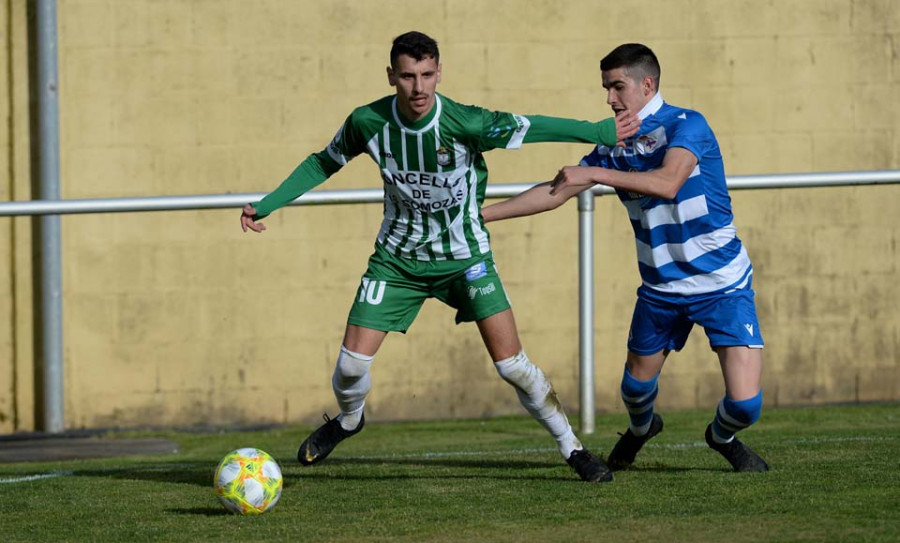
(535, 200)
(542, 128)
(663, 182)
(310, 173)
(248, 220)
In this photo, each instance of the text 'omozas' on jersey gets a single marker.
(433, 169)
(688, 245)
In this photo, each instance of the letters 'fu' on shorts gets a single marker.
(393, 290)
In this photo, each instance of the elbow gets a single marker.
(668, 190)
(670, 187)
(669, 193)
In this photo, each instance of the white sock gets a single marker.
(539, 399)
(351, 383)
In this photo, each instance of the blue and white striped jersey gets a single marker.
(688, 245)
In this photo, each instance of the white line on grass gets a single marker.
(427, 455)
(52, 474)
(27, 478)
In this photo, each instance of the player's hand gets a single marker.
(247, 220)
(627, 125)
(570, 177)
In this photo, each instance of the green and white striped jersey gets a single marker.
(433, 169)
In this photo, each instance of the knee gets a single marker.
(645, 367)
(746, 411)
(519, 371)
(352, 365)
(636, 388)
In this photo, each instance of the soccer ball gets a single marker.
(248, 481)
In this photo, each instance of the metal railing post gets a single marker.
(50, 231)
(586, 309)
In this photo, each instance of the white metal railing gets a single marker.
(362, 196)
(330, 197)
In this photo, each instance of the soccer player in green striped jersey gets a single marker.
(432, 242)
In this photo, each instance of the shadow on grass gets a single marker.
(175, 473)
(466, 463)
(671, 469)
(201, 474)
(498, 464)
(200, 511)
(467, 469)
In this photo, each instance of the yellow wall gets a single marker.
(178, 318)
(18, 403)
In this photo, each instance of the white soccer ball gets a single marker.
(248, 481)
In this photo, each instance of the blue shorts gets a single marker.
(664, 324)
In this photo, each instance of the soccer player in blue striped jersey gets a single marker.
(433, 242)
(694, 268)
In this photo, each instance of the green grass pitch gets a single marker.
(835, 477)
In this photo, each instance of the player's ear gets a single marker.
(647, 86)
(439, 73)
(390, 75)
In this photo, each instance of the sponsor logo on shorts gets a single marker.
(749, 328)
(482, 291)
(476, 272)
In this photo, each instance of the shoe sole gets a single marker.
(606, 477)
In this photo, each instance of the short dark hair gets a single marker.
(637, 59)
(415, 44)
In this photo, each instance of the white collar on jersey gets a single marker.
(434, 120)
(652, 106)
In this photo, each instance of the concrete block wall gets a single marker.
(179, 318)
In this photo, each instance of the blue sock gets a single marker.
(639, 397)
(733, 416)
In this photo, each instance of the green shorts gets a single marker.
(393, 290)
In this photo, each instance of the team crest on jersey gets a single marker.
(646, 144)
(444, 156)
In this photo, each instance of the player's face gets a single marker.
(625, 93)
(415, 81)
